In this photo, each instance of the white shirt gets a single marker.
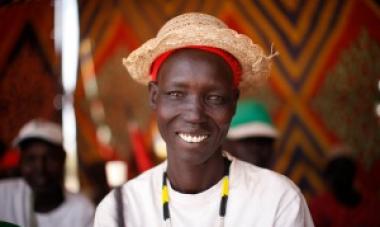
(16, 207)
(257, 197)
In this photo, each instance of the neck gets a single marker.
(194, 178)
(45, 202)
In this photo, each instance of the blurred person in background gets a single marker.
(38, 198)
(343, 204)
(252, 136)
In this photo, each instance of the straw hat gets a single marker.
(205, 30)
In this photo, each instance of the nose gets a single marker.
(40, 165)
(194, 111)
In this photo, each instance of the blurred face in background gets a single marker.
(255, 150)
(42, 166)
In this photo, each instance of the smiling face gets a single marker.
(194, 99)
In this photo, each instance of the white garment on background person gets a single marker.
(16, 207)
(257, 197)
(16, 202)
(76, 211)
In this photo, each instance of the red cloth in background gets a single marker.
(328, 212)
(368, 180)
(10, 160)
(142, 157)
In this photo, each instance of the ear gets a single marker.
(153, 94)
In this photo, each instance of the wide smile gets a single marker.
(192, 138)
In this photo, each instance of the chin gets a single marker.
(47, 189)
(194, 156)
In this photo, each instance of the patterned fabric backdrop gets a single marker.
(29, 68)
(322, 90)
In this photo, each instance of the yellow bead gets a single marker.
(165, 194)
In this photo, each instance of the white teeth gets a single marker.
(192, 139)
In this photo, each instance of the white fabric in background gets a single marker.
(16, 202)
(16, 207)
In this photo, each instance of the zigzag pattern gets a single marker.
(307, 34)
(29, 80)
(298, 36)
(300, 156)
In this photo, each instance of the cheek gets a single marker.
(164, 116)
(54, 167)
(222, 118)
(26, 170)
(27, 166)
(167, 111)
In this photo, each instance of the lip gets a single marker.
(39, 181)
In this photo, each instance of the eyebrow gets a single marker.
(178, 84)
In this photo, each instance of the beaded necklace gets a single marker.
(223, 199)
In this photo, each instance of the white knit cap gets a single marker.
(40, 129)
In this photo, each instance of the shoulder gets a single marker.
(13, 186)
(264, 183)
(78, 200)
(76, 208)
(12, 182)
(249, 173)
(78, 205)
(106, 209)
(138, 188)
(274, 192)
(144, 184)
(135, 184)
(15, 198)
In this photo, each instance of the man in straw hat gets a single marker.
(195, 68)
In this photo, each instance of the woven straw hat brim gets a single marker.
(255, 64)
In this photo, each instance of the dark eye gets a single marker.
(28, 158)
(174, 94)
(215, 99)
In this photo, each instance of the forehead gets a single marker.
(192, 65)
(38, 147)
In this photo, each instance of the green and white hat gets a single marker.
(251, 120)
